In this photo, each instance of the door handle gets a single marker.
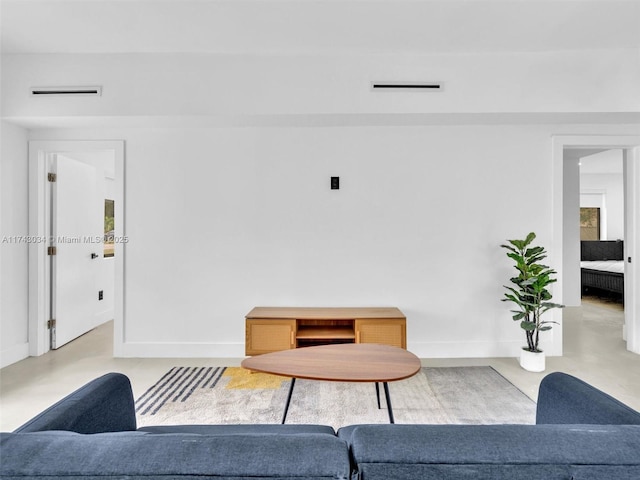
(94, 256)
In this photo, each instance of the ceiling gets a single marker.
(316, 26)
(607, 161)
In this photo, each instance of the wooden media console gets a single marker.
(272, 329)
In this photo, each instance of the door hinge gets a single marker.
(52, 251)
(51, 323)
(52, 177)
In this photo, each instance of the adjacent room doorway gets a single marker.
(76, 205)
(567, 222)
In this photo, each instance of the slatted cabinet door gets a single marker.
(384, 331)
(272, 335)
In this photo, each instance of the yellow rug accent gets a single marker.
(243, 378)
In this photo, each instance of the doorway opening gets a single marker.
(618, 225)
(76, 205)
(602, 226)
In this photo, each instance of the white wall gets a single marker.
(223, 219)
(13, 245)
(226, 86)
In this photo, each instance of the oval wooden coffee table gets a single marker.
(347, 362)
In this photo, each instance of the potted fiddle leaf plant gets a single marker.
(530, 294)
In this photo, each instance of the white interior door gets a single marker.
(77, 226)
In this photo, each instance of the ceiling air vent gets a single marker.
(433, 87)
(66, 91)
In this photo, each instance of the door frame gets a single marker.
(39, 281)
(630, 144)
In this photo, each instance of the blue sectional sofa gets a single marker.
(581, 433)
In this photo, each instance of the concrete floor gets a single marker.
(593, 351)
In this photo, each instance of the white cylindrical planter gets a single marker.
(532, 361)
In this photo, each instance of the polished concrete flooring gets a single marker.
(593, 350)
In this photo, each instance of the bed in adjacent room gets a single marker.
(601, 266)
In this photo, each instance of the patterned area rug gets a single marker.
(224, 395)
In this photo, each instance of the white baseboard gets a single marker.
(182, 350)
(14, 354)
(236, 350)
(464, 349)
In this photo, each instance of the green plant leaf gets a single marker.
(508, 247)
(549, 305)
(535, 252)
(516, 256)
(529, 326)
(548, 321)
(511, 298)
(519, 244)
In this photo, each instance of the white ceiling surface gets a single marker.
(316, 26)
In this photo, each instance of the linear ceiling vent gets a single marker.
(432, 87)
(66, 91)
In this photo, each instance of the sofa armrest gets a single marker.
(103, 405)
(564, 399)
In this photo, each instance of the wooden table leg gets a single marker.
(388, 398)
(286, 407)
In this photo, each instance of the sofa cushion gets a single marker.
(563, 398)
(105, 404)
(496, 451)
(141, 455)
(266, 428)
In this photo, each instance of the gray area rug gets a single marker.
(226, 395)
